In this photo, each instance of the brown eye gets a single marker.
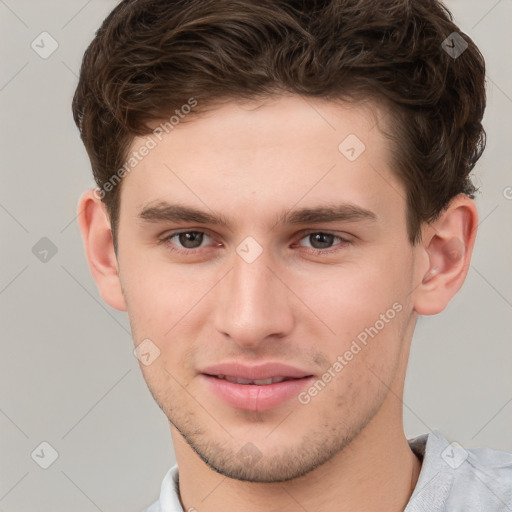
(183, 241)
(190, 239)
(321, 240)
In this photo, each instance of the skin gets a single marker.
(250, 162)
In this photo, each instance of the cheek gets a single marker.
(353, 297)
(160, 296)
(364, 307)
(164, 303)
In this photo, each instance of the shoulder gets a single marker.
(485, 478)
(455, 478)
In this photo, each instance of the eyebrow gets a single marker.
(163, 211)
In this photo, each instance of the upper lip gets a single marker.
(255, 372)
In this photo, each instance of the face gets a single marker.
(296, 264)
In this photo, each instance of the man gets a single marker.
(283, 187)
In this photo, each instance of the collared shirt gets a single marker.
(452, 479)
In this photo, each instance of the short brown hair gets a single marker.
(149, 57)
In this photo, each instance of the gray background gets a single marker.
(67, 372)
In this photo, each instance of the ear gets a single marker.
(99, 248)
(447, 244)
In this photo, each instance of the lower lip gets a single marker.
(252, 397)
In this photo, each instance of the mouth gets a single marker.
(257, 382)
(255, 388)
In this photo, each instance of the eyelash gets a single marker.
(343, 242)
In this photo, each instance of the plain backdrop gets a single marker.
(68, 376)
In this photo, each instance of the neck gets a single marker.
(377, 471)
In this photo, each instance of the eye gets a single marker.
(321, 241)
(188, 242)
(185, 241)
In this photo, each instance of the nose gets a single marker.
(254, 304)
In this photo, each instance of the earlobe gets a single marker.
(99, 249)
(449, 243)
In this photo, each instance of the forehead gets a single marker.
(268, 155)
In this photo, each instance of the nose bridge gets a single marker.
(253, 305)
(250, 281)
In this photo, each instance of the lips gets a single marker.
(257, 387)
(258, 382)
(255, 372)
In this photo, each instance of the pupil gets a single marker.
(324, 240)
(191, 239)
